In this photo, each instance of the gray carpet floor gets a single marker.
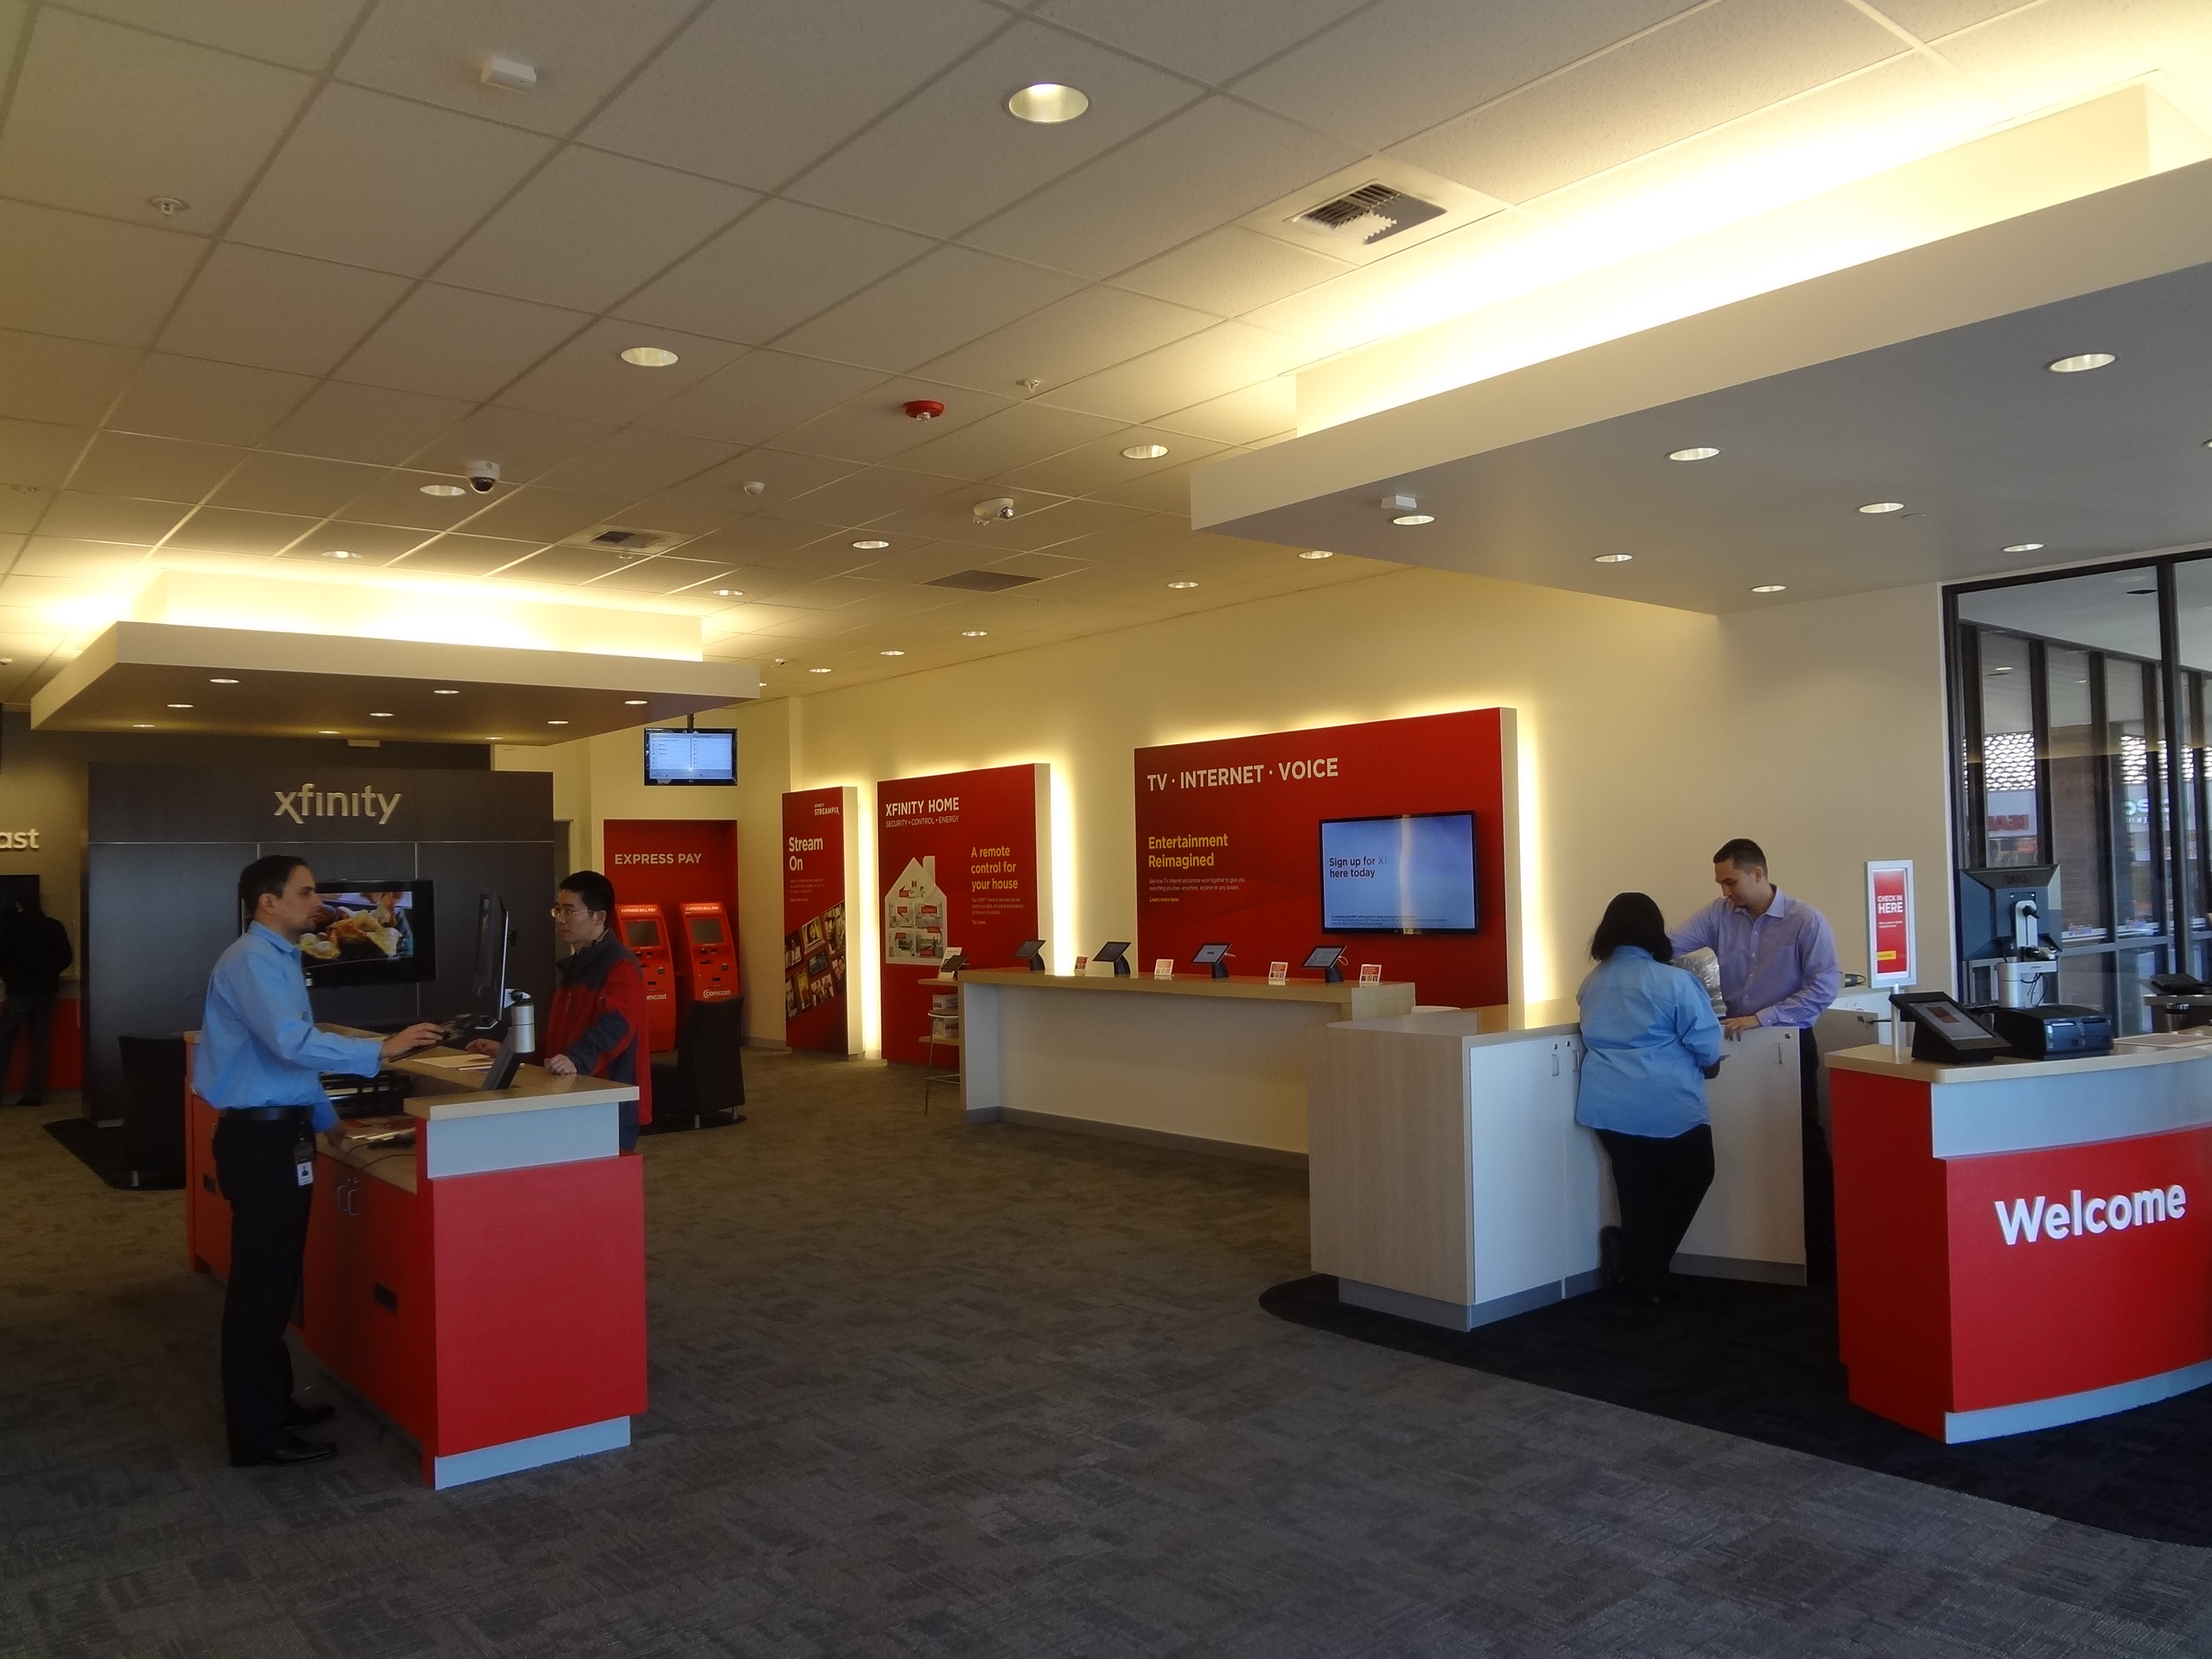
(925, 1389)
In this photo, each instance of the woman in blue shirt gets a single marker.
(1649, 1039)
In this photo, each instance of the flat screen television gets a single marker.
(371, 933)
(1410, 874)
(674, 755)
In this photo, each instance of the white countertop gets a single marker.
(2128, 1053)
(1348, 993)
(1502, 1022)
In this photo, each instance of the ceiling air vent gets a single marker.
(1370, 214)
(982, 581)
(627, 541)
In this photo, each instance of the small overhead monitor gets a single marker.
(684, 756)
(1032, 951)
(371, 933)
(1415, 873)
(1115, 951)
(1328, 958)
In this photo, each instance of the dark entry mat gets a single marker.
(104, 1152)
(1760, 1361)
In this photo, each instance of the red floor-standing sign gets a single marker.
(821, 847)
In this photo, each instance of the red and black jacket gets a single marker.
(597, 1017)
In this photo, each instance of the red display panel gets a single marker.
(957, 858)
(1228, 844)
(817, 991)
(671, 862)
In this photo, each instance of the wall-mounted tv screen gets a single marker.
(371, 933)
(701, 756)
(1413, 874)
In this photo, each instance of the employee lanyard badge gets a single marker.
(303, 1159)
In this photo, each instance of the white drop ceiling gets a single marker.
(386, 269)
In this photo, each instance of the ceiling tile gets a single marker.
(863, 497)
(755, 90)
(1012, 438)
(1101, 465)
(1055, 525)
(64, 557)
(1088, 331)
(587, 376)
(360, 422)
(1164, 492)
(1425, 283)
(1210, 43)
(110, 518)
(771, 270)
(154, 469)
(91, 279)
(525, 444)
(433, 51)
(952, 155)
(874, 427)
(1710, 67)
(226, 529)
(669, 573)
(277, 310)
(1403, 65)
(2039, 55)
(66, 382)
(21, 507)
(773, 543)
(305, 34)
(1241, 417)
(38, 455)
(200, 123)
(363, 544)
(924, 561)
(268, 483)
(463, 556)
(1225, 159)
(927, 309)
(1231, 270)
(1190, 371)
(1931, 20)
(540, 515)
(216, 403)
(374, 181)
(567, 566)
(692, 509)
(398, 498)
(454, 344)
(760, 395)
(951, 517)
(589, 226)
(782, 473)
(634, 463)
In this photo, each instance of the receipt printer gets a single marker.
(2057, 1030)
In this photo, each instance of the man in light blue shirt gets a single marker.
(1778, 958)
(258, 1062)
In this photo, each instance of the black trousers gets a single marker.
(33, 1015)
(1660, 1183)
(253, 1161)
(1819, 1171)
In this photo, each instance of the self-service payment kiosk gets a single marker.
(710, 956)
(646, 932)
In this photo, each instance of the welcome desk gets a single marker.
(483, 1290)
(1213, 1065)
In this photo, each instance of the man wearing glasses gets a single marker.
(260, 1063)
(597, 1026)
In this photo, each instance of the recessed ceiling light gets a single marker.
(1317, 553)
(975, 633)
(443, 489)
(632, 703)
(556, 722)
(2001, 668)
(380, 713)
(2025, 547)
(1183, 584)
(340, 553)
(1883, 507)
(180, 705)
(220, 680)
(1145, 452)
(1414, 517)
(327, 732)
(1612, 558)
(729, 592)
(817, 671)
(1769, 587)
(2082, 363)
(142, 726)
(890, 654)
(445, 691)
(1047, 103)
(871, 545)
(649, 356)
(1702, 452)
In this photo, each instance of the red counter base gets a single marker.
(2001, 1266)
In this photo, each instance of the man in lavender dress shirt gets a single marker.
(1777, 968)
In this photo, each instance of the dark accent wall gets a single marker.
(165, 845)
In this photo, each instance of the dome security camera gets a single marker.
(483, 477)
(1001, 507)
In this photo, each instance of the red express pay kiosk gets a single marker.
(646, 933)
(710, 958)
(2022, 1244)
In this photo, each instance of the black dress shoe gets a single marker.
(306, 1417)
(295, 1450)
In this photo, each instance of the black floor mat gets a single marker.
(104, 1152)
(1760, 1361)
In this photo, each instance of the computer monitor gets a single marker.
(487, 976)
(1989, 901)
(1413, 873)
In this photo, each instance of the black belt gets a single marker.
(265, 1114)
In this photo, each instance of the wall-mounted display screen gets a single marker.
(706, 930)
(1413, 874)
(700, 757)
(371, 933)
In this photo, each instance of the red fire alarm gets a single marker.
(924, 409)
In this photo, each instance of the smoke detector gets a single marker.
(509, 74)
(1372, 211)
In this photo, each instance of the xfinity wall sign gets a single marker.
(307, 801)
